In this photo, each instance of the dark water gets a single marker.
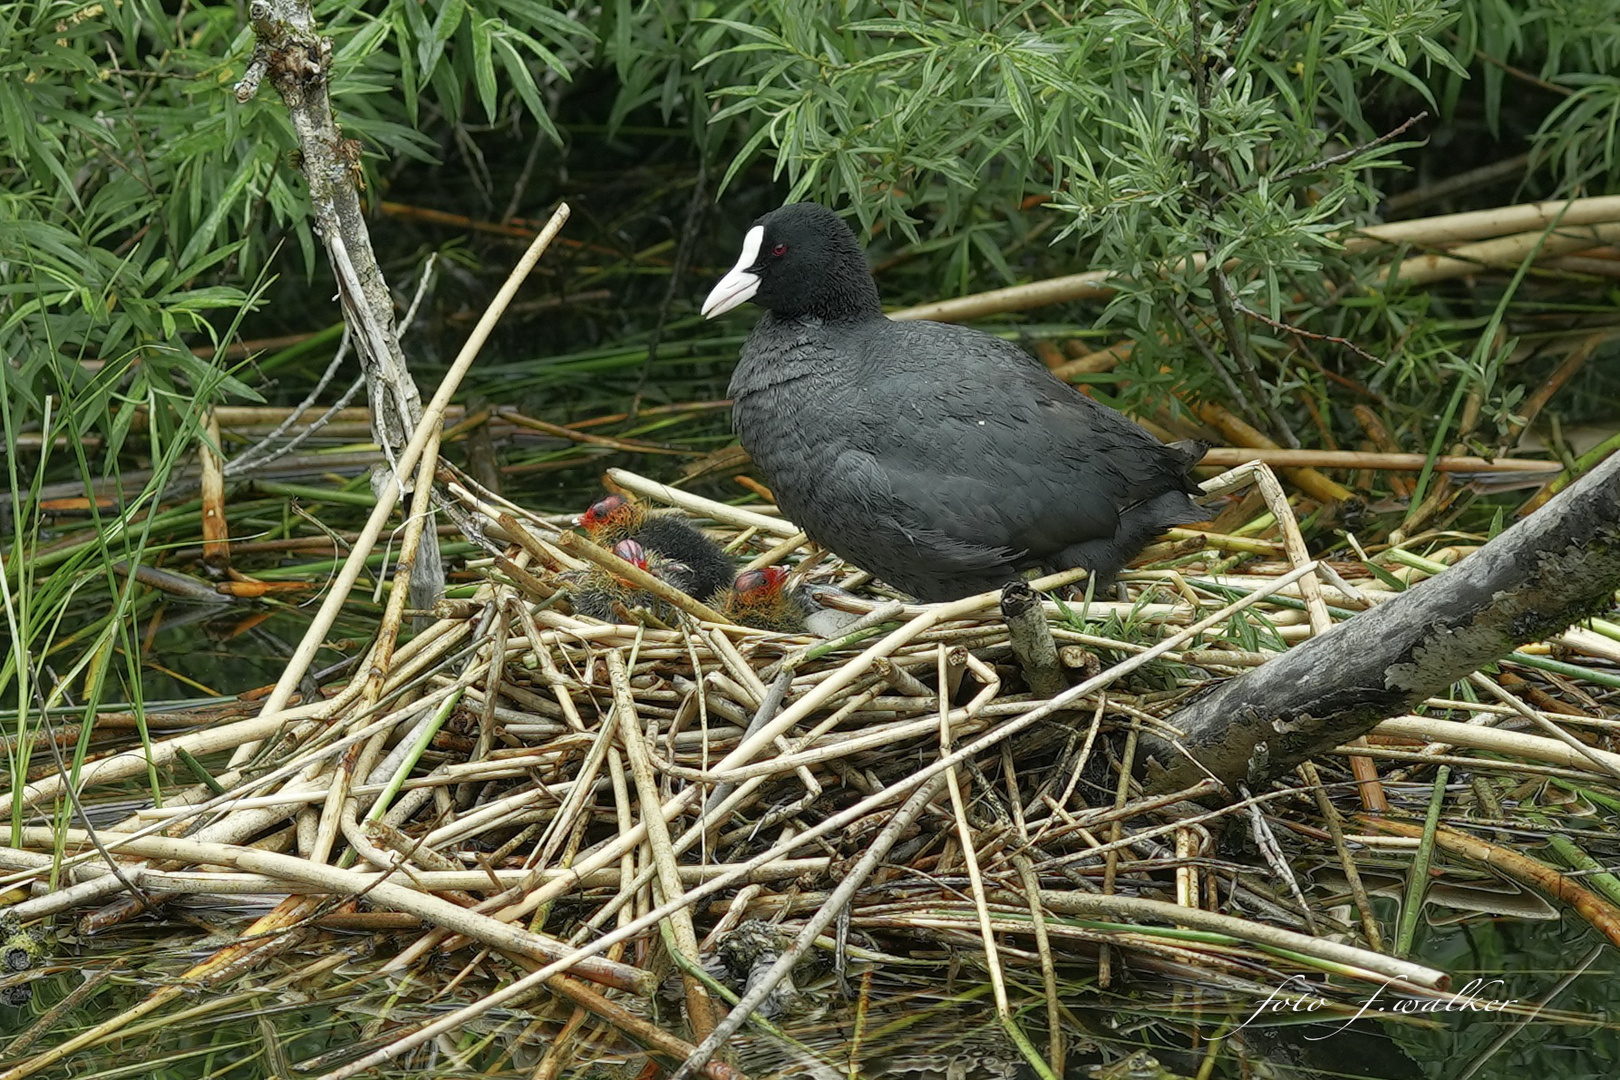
(905, 1027)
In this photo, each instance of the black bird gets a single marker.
(940, 458)
(695, 563)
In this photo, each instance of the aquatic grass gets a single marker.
(37, 606)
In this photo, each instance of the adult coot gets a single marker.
(695, 564)
(942, 459)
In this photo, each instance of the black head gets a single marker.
(799, 260)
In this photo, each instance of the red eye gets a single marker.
(779, 250)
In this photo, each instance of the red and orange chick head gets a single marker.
(612, 519)
(758, 599)
(651, 560)
(762, 582)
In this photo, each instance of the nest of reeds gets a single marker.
(558, 822)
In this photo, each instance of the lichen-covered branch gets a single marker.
(1548, 571)
(298, 63)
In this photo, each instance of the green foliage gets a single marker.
(1557, 40)
(446, 48)
(138, 194)
(892, 106)
(1580, 136)
(1164, 136)
(138, 200)
(1098, 106)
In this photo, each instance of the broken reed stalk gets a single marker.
(1530, 219)
(421, 512)
(1031, 638)
(966, 838)
(835, 904)
(697, 504)
(927, 776)
(1265, 481)
(1601, 913)
(429, 427)
(330, 879)
(231, 828)
(699, 1009)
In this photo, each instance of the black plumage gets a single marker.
(686, 558)
(940, 458)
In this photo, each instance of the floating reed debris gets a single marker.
(543, 823)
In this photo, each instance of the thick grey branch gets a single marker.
(298, 63)
(1552, 569)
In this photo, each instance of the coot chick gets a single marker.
(940, 458)
(601, 594)
(758, 599)
(667, 536)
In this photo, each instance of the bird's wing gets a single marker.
(1035, 466)
(895, 512)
